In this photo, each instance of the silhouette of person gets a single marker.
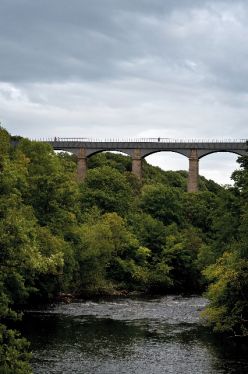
(158, 139)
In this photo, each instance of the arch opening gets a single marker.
(168, 160)
(58, 151)
(104, 151)
(115, 159)
(66, 155)
(219, 166)
(220, 151)
(118, 153)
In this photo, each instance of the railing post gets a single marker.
(137, 163)
(193, 175)
(81, 165)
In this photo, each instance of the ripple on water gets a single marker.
(172, 308)
(149, 336)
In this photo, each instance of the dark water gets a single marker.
(152, 336)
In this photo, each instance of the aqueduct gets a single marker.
(138, 149)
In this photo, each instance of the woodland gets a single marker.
(114, 235)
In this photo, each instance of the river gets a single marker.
(125, 336)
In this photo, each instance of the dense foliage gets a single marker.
(113, 234)
(228, 275)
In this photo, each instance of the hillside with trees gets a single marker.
(115, 235)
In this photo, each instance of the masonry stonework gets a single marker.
(193, 175)
(81, 165)
(137, 163)
(140, 148)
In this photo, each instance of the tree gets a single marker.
(4, 143)
(180, 254)
(119, 162)
(14, 354)
(198, 209)
(228, 309)
(51, 186)
(108, 189)
(162, 203)
(228, 277)
(150, 232)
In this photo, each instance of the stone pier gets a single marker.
(137, 163)
(81, 165)
(193, 171)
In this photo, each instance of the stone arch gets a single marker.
(94, 152)
(84, 154)
(120, 158)
(150, 152)
(141, 153)
(204, 153)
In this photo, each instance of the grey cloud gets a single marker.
(91, 40)
(118, 68)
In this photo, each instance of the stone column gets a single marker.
(81, 165)
(193, 171)
(137, 163)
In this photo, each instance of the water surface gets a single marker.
(148, 336)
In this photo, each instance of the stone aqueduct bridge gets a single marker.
(138, 149)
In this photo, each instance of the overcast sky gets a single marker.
(127, 68)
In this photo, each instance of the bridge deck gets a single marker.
(150, 145)
(138, 149)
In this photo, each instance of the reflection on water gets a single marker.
(151, 336)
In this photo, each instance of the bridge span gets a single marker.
(137, 149)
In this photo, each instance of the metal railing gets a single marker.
(141, 140)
